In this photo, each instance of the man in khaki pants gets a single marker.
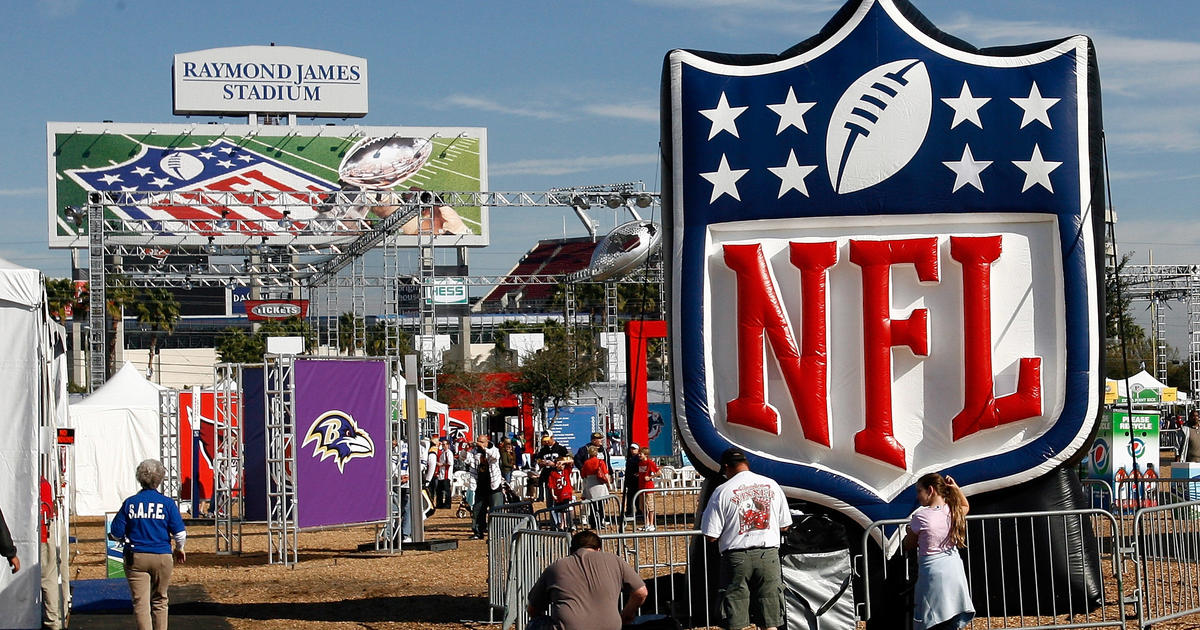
(147, 522)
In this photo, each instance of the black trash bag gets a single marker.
(1050, 565)
(813, 533)
(652, 622)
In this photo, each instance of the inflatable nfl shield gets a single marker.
(886, 257)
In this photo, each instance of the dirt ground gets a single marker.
(333, 587)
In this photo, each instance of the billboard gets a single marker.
(240, 184)
(245, 79)
(886, 258)
(571, 426)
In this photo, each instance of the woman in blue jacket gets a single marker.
(147, 523)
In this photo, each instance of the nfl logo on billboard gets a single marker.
(895, 238)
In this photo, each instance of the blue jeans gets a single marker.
(485, 500)
(405, 522)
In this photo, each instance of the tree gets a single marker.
(60, 298)
(157, 309)
(550, 377)
(464, 389)
(346, 325)
(379, 346)
(236, 345)
(118, 294)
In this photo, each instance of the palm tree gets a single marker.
(118, 294)
(60, 296)
(346, 325)
(158, 309)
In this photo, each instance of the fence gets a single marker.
(602, 515)
(676, 571)
(532, 551)
(668, 508)
(1168, 561)
(664, 560)
(1030, 568)
(501, 527)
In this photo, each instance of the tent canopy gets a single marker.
(25, 402)
(1143, 381)
(115, 429)
(19, 285)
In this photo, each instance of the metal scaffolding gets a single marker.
(291, 254)
(228, 461)
(283, 530)
(1160, 284)
(168, 435)
(389, 538)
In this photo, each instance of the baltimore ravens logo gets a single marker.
(337, 435)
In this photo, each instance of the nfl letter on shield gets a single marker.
(894, 236)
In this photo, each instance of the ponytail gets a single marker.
(934, 482)
(958, 518)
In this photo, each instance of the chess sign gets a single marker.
(893, 235)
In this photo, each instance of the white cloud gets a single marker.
(21, 192)
(759, 6)
(59, 8)
(488, 105)
(1174, 242)
(564, 166)
(645, 113)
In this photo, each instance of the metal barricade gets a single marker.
(669, 509)
(531, 552)
(1033, 544)
(1167, 539)
(501, 527)
(1098, 492)
(675, 570)
(602, 515)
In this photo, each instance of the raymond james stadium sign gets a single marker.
(281, 79)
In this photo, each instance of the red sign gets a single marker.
(258, 310)
(66, 436)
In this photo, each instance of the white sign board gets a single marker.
(285, 345)
(614, 343)
(525, 344)
(448, 291)
(275, 79)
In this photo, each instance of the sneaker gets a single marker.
(648, 528)
(407, 539)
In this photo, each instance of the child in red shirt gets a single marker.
(647, 471)
(562, 491)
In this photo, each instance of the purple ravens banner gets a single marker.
(341, 429)
(895, 236)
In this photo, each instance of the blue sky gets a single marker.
(568, 90)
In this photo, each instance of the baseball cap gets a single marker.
(442, 439)
(732, 455)
(597, 434)
(634, 446)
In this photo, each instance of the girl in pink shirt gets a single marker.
(937, 529)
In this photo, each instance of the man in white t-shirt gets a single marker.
(744, 517)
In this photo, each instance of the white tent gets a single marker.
(115, 429)
(431, 405)
(1143, 381)
(24, 404)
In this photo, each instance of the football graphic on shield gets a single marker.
(864, 289)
